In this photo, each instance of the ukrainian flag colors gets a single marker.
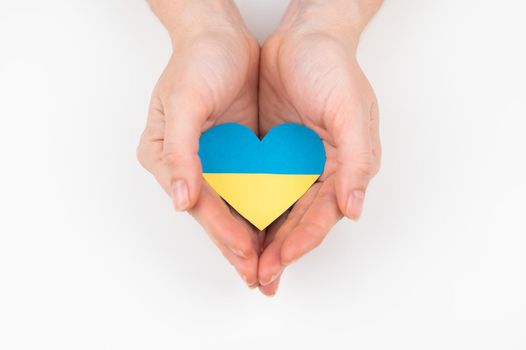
(261, 179)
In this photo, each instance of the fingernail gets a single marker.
(180, 195)
(253, 286)
(355, 204)
(271, 295)
(272, 279)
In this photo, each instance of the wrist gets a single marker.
(191, 17)
(341, 19)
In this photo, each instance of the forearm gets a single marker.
(193, 15)
(339, 17)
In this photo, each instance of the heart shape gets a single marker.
(261, 179)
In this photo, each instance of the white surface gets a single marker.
(92, 255)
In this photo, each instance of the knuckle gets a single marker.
(378, 165)
(141, 154)
(376, 169)
(171, 158)
(365, 168)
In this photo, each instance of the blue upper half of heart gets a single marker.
(286, 149)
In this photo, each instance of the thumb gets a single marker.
(356, 165)
(180, 153)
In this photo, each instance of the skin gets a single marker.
(307, 74)
(210, 79)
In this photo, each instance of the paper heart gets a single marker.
(261, 179)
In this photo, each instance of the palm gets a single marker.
(223, 74)
(304, 80)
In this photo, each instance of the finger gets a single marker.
(375, 135)
(270, 265)
(149, 154)
(356, 164)
(183, 120)
(272, 229)
(314, 225)
(215, 217)
(271, 289)
(149, 150)
(233, 248)
(256, 236)
(246, 268)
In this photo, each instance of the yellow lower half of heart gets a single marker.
(260, 198)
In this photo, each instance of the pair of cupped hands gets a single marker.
(305, 73)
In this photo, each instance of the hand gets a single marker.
(309, 75)
(210, 79)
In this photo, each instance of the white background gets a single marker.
(92, 255)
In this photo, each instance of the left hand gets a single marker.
(309, 75)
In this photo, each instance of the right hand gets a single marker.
(210, 79)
